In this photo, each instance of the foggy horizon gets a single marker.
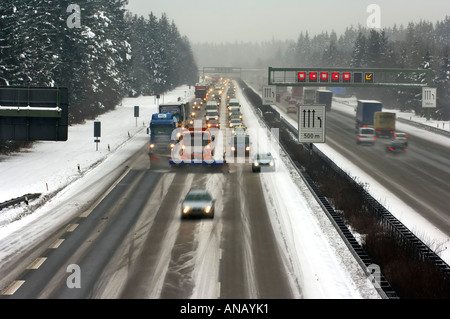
(263, 21)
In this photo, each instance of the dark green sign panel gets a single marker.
(348, 77)
(34, 113)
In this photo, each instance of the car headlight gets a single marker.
(152, 145)
(208, 209)
(247, 148)
(256, 163)
(271, 163)
(186, 209)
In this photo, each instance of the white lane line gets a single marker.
(56, 243)
(12, 288)
(101, 198)
(37, 263)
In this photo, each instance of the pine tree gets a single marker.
(358, 59)
(9, 57)
(443, 89)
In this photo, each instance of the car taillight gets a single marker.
(374, 138)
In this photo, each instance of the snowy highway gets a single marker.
(120, 224)
(419, 177)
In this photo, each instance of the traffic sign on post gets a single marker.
(311, 124)
(269, 95)
(428, 97)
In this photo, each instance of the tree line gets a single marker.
(101, 52)
(421, 45)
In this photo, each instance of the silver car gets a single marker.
(366, 135)
(197, 203)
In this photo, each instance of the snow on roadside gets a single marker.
(318, 261)
(49, 167)
(406, 214)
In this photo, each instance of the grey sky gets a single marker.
(260, 20)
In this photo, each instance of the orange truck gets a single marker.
(384, 124)
(195, 147)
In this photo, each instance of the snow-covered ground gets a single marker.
(412, 219)
(323, 267)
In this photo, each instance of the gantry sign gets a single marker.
(222, 70)
(348, 77)
(33, 113)
(311, 123)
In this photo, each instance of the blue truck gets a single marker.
(365, 111)
(180, 111)
(160, 130)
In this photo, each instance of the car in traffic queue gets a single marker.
(263, 162)
(396, 146)
(239, 130)
(213, 123)
(197, 203)
(292, 109)
(235, 113)
(211, 115)
(403, 137)
(240, 145)
(235, 122)
(366, 135)
(197, 104)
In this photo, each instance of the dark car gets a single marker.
(396, 146)
(213, 123)
(263, 162)
(197, 203)
(292, 109)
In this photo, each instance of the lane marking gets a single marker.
(71, 227)
(12, 288)
(56, 243)
(218, 289)
(98, 201)
(37, 263)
